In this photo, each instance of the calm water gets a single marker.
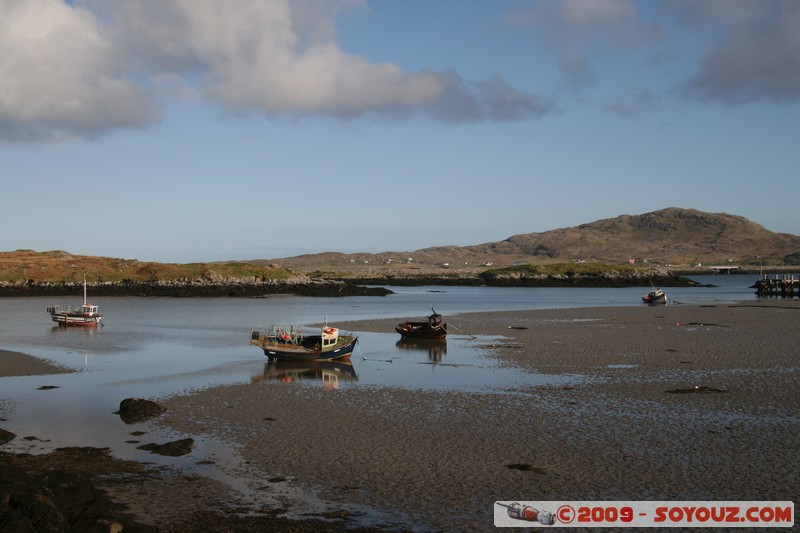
(156, 347)
(159, 347)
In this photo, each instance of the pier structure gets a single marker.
(782, 285)
(724, 269)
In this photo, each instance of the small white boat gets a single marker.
(74, 315)
(656, 296)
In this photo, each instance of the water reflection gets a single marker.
(435, 348)
(85, 332)
(330, 373)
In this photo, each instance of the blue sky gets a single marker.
(203, 130)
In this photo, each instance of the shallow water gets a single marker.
(158, 347)
(161, 347)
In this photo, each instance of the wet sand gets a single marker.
(668, 403)
(20, 364)
(442, 458)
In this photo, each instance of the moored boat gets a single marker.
(290, 344)
(656, 296)
(433, 328)
(74, 315)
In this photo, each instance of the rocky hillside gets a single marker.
(59, 266)
(622, 251)
(29, 273)
(669, 236)
(674, 237)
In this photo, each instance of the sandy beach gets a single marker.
(663, 403)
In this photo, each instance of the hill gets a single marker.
(29, 273)
(626, 250)
(669, 236)
(673, 237)
(58, 266)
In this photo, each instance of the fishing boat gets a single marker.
(73, 315)
(656, 296)
(433, 328)
(290, 344)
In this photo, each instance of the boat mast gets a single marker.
(84, 289)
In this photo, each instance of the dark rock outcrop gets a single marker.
(56, 500)
(133, 410)
(204, 287)
(527, 279)
(175, 448)
(6, 436)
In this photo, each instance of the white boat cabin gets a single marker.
(329, 337)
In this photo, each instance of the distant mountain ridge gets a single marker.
(671, 236)
(664, 246)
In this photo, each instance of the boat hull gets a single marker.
(69, 320)
(421, 330)
(288, 352)
(651, 298)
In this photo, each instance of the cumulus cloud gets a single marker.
(59, 77)
(88, 67)
(758, 57)
(281, 57)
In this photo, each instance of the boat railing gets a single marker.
(58, 309)
(282, 334)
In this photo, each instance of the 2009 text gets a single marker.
(605, 514)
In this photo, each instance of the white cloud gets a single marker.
(60, 78)
(282, 57)
(89, 68)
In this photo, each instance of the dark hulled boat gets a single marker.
(433, 328)
(289, 344)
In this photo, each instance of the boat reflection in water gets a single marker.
(435, 348)
(330, 373)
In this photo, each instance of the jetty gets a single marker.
(779, 285)
(723, 269)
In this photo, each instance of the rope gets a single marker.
(450, 324)
(670, 301)
(472, 337)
